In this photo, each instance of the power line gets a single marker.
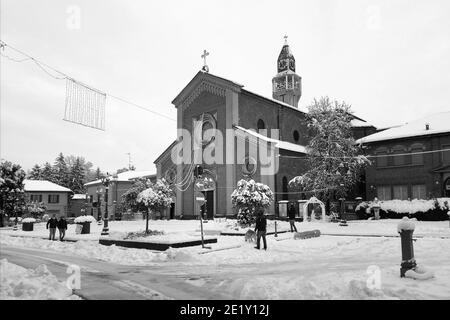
(63, 76)
(374, 156)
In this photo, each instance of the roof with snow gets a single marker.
(79, 196)
(43, 185)
(438, 123)
(127, 176)
(277, 143)
(357, 123)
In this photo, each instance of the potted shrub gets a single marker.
(28, 223)
(85, 222)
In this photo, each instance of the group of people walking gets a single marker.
(54, 223)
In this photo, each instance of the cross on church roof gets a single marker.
(205, 66)
(285, 39)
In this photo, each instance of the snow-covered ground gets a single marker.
(327, 267)
(17, 282)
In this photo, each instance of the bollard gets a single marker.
(406, 229)
(276, 234)
(448, 218)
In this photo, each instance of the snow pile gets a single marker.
(83, 219)
(29, 220)
(19, 283)
(407, 206)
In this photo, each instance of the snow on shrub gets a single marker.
(407, 206)
(248, 197)
(83, 219)
(14, 219)
(29, 220)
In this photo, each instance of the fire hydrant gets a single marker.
(406, 229)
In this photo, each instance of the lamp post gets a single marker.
(99, 213)
(105, 182)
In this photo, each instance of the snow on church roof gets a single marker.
(438, 123)
(43, 185)
(277, 143)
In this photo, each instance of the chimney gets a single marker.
(427, 126)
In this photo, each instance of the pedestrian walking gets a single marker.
(52, 223)
(62, 227)
(260, 229)
(291, 215)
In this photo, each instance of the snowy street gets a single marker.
(328, 267)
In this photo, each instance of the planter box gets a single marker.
(159, 246)
(86, 227)
(27, 226)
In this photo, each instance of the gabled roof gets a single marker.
(43, 186)
(277, 143)
(438, 123)
(79, 196)
(197, 80)
(127, 176)
(168, 149)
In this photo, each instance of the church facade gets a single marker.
(230, 122)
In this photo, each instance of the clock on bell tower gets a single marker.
(287, 85)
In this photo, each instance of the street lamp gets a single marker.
(99, 213)
(105, 181)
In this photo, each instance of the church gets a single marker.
(234, 121)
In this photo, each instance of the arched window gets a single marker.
(261, 125)
(381, 159)
(296, 136)
(285, 188)
(399, 160)
(416, 155)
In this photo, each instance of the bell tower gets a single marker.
(287, 85)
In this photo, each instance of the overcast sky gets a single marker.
(388, 59)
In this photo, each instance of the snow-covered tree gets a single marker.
(334, 160)
(47, 172)
(129, 197)
(35, 173)
(77, 176)
(156, 198)
(12, 198)
(61, 171)
(248, 197)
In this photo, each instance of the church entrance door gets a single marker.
(208, 207)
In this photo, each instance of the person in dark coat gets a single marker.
(260, 229)
(62, 227)
(291, 215)
(52, 223)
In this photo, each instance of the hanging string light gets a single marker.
(84, 105)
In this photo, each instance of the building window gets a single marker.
(296, 136)
(384, 193)
(381, 157)
(261, 125)
(417, 158)
(419, 191)
(53, 198)
(401, 192)
(36, 198)
(446, 154)
(398, 159)
(91, 198)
